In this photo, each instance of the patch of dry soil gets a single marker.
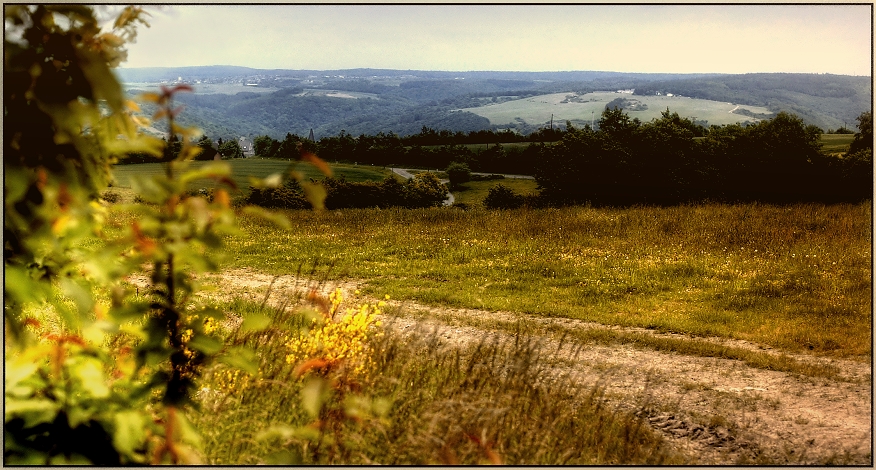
(717, 411)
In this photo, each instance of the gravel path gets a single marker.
(718, 411)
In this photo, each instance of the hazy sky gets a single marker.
(623, 38)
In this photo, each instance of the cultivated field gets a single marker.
(581, 108)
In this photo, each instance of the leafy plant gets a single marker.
(96, 372)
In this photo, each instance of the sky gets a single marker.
(620, 38)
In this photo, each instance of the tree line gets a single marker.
(629, 162)
(623, 161)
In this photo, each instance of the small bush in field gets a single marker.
(344, 339)
(111, 197)
(502, 197)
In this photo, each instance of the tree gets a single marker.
(458, 173)
(77, 389)
(502, 197)
(261, 145)
(864, 137)
(208, 150)
(231, 149)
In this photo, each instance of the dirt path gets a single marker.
(718, 411)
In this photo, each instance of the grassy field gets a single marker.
(581, 108)
(242, 168)
(796, 278)
(836, 143)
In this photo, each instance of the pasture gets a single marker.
(836, 143)
(580, 109)
(679, 290)
(796, 278)
(244, 168)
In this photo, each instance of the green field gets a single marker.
(580, 109)
(836, 143)
(243, 168)
(796, 278)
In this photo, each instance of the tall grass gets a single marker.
(496, 402)
(793, 277)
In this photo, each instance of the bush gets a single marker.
(502, 197)
(111, 197)
(424, 190)
(288, 196)
(458, 173)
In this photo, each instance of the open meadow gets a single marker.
(582, 108)
(244, 168)
(697, 334)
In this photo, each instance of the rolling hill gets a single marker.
(234, 101)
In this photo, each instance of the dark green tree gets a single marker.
(231, 149)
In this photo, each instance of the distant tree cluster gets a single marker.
(429, 149)
(627, 162)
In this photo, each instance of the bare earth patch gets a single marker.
(717, 411)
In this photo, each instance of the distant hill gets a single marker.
(236, 101)
(827, 101)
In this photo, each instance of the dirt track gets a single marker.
(717, 411)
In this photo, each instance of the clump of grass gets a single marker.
(496, 402)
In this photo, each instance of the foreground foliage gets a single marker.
(495, 402)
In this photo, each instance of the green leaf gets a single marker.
(205, 344)
(17, 370)
(34, 411)
(130, 431)
(188, 433)
(255, 322)
(21, 287)
(210, 170)
(276, 218)
(314, 395)
(80, 295)
(241, 358)
(91, 377)
(315, 194)
(102, 80)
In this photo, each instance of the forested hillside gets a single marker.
(370, 101)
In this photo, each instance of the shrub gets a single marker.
(502, 197)
(458, 173)
(111, 197)
(287, 196)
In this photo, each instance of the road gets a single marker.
(406, 174)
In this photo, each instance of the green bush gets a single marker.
(503, 197)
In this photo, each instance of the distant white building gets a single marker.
(246, 146)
